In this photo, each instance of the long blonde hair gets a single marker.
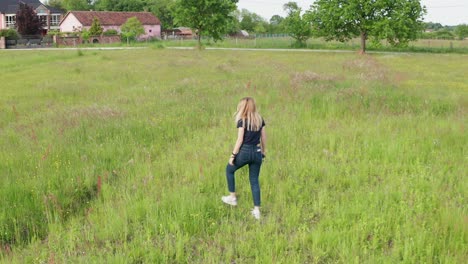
(247, 112)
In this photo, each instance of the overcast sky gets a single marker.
(446, 12)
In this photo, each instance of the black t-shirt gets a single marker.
(251, 137)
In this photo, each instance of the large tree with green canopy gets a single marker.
(397, 21)
(207, 17)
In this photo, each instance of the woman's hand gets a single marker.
(232, 158)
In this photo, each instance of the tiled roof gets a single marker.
(11, 6)
(114, 18)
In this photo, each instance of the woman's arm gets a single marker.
(240, 139)
(263, 140)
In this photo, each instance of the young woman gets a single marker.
(248, 150)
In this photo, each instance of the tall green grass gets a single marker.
(119, 157)
(422, 45)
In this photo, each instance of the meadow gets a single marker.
(118, 156)
(268, 42)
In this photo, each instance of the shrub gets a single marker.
(53, 32)
(111, 32)
(85, 35)
(9, 33)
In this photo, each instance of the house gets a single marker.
(240, 34)
(178, 33)
(8, 8)
(75, 21)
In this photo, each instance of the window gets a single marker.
(10, 21)
(43, 19)
(54, 20)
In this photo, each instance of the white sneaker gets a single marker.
(256, 213)
(229, 200)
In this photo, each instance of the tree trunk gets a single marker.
(363, 42)
(199, 39)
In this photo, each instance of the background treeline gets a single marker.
(165, 11)
(244, 19)
(439, 31)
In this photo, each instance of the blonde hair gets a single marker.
(247, 112)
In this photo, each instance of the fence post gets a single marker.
(2, 43)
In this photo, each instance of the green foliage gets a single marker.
(27, 22)
(85, 35)
(207, 17)
(397, 21)
(76, 5)
(110, 32)
(432, 26)
(121, 5)
(53, 32)
(95, 29)
(439, 34)
(132, 29)
(283, 41)
(9, 33)
(164, 10)
(462, 31)
(298, 27)
(276, 25)
(252, 22)
(70, 5)
(55, 3)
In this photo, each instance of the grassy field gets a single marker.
(119, 157)
(421, 45)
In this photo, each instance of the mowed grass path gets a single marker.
(119, 157)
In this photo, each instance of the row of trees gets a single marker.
(397, 21)
(438, 31)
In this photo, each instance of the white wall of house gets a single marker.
(70, 24)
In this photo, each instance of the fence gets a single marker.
(25, 42)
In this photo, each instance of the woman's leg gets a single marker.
(231, 181)
(254, 173)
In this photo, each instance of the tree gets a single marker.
(462, 31)
(433, 26)
(71, 4)
(27, 21)
(207, 17)
(163, 9)
(132, 29)
(121, 5)
(397, 21)
(233, 26)
(252, 22)
(95, 29)
(298, 27)
(276, 24)
(55, 3)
